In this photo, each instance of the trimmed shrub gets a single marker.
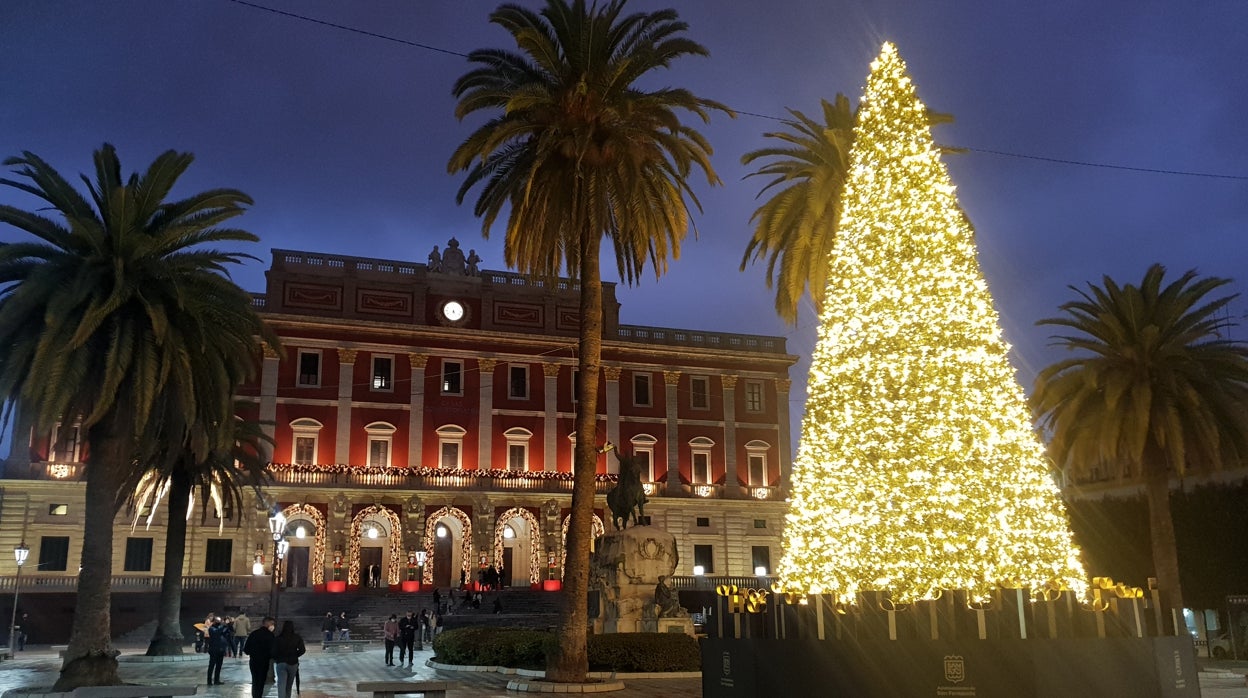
(520, 648)
(644, 652)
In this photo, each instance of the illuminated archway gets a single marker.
(598, 530)
(431, 525)
(534, 538)
(396, 543)
(295, 511)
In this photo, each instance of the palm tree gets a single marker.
(795, 228)
(578, 152)
(217, 482)
(118, 316)
(1157, 391)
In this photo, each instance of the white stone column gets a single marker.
(342, 437)
(730, 430)
(612, 374)
(671, 379)
(268, 399)
(485, 413)
(416, 419)
(782, 419)
(550, 421)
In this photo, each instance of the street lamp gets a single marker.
(277, 526)
(20, 554)
(283, 546)
(420, 564)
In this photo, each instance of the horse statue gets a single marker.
(627, 499)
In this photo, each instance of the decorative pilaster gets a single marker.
(268, 398)
(550, 420)
(612, 374)
(416, 416)
(485, 414)
(346, 379)
(671, 379)
(782, 427)
(730, 429)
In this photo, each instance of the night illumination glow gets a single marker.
(918, 469)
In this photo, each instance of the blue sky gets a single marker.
(342, 139)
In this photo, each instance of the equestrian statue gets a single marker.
(627, 499)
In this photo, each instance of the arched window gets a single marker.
(306, 437)
(643, 449)
(451, 446)
(380, 443)
(756, 457)
(518, 448)
(700, 451)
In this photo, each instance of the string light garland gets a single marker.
(535, 551)
(918, 469)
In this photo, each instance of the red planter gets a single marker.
(410, 586)
(335, 587)
(552, 585)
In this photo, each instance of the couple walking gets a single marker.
(283, 650)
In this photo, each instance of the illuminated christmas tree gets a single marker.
(918, 469)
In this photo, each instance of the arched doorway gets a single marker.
(517, 547)
(377, 535)
(446, 561)
(305, 561)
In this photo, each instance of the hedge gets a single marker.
(523, 648)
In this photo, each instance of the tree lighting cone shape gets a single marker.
(918, 469)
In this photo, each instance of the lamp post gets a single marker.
(19, 553)
(277, 527)
(283, 546)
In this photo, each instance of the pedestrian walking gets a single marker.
(242, 628)
(287, 649)
(259, 649)
(344, 627)
(329, 627)
(390, 630)
(407, 638)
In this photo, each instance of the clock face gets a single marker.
(453, 311)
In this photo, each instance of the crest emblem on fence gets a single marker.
(727, 664)
(955, 668)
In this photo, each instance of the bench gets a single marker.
(390, 689)
(132, 691)
(336, 645)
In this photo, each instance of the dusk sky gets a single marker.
(342, 138)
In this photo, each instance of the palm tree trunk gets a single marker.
(168, 638)
(570, 662)
(90, 659)
(1165, 550)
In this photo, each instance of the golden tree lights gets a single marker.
(918, 469)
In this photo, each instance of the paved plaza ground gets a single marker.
(335, 674)
(322, 675)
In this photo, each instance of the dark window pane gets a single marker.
(760, 556)
(700, 393)
(382, 372)
(641, 389)
(519, 382)
(702, 557)
(309, 368)
(53, 553)
(452, 378)
(138, 555)
(218, 556)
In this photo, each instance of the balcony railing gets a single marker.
(50, 583)
(726, 341)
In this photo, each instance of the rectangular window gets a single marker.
(65, 444)
(702, 521)
(760, 523)
(645, 459)
(760, 559)
(576, 385)
(229, 511)
(58, 510)
(452, 377)
(517, 457)
(753, 396)
(450, 455)
(309, 368)
(383, 373)
(641, 389)
(700, 392)
(701, 468)
(518, 382)
(53, 554)
(379, 452)
(758, 470)
(218, 556)
(138, 555)
(305, 450)
(704, 558)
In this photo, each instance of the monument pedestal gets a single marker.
(626, 569)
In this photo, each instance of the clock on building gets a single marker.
(453, 311)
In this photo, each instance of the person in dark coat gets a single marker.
(218, 643)
(407, 638)
(329, 626)
(287, 649)
(344, 627)
(259, 649)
